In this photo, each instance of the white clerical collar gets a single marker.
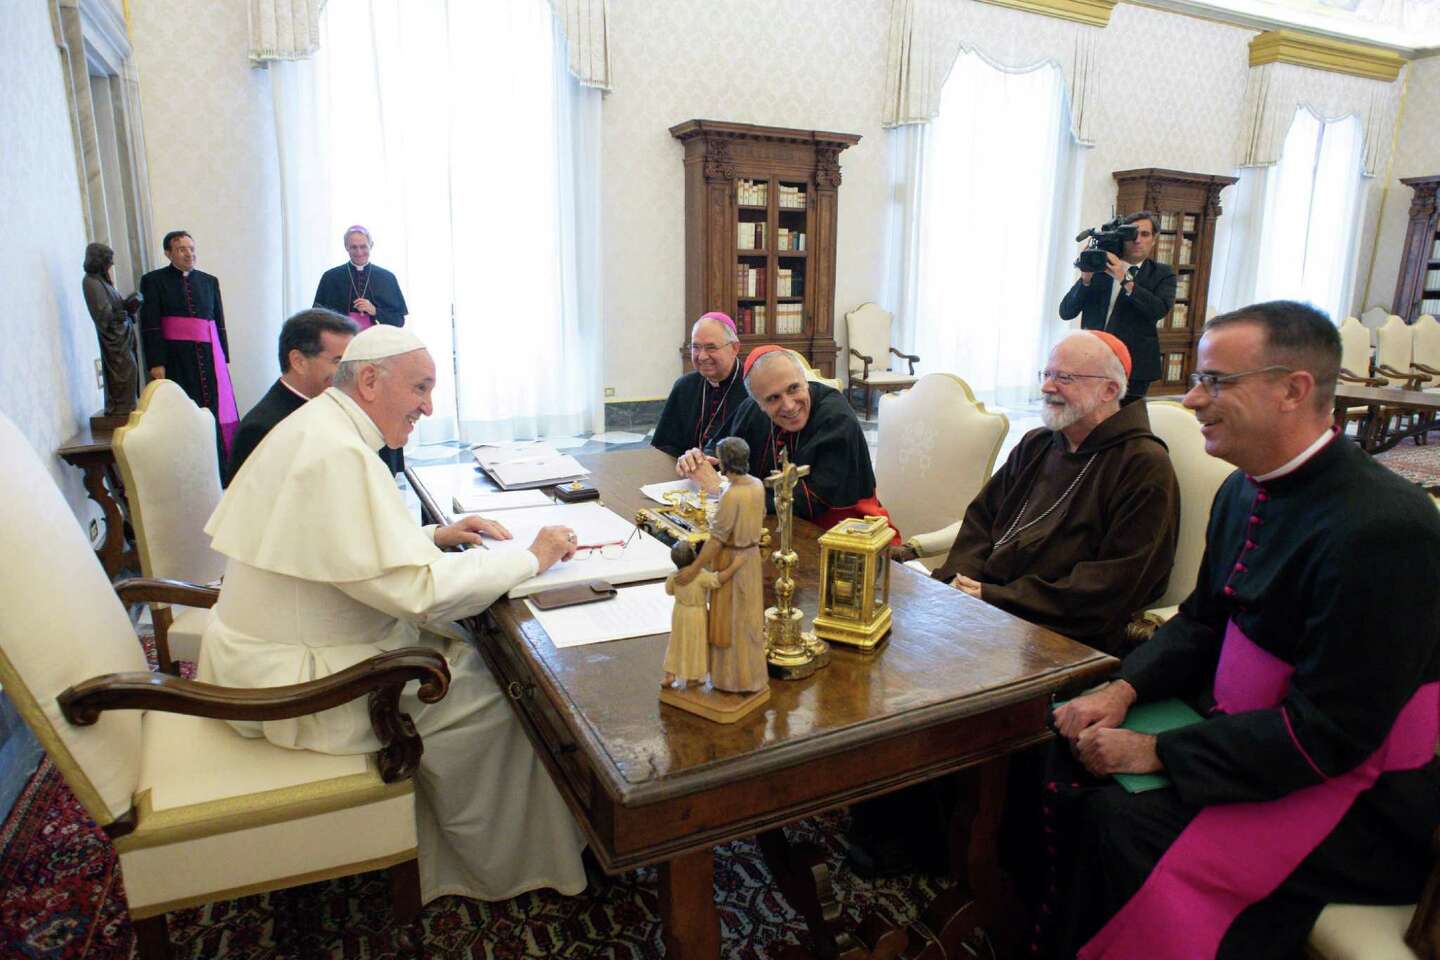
(292, 389)
(359, 268)
(370, 434)
(1300, 459)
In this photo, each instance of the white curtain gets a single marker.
(283, 29)
(1295, 224)
(974, 231)
(456, 135)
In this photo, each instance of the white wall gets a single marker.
(47, 368)
(210, 143)
(1417, 154)
(747, 61)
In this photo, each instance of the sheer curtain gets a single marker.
(1295, 225)
(984, 196)
(456, 135)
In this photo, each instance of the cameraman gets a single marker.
(1128, 299)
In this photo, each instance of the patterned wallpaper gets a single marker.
(210, 143)
(47, 369)
(810, 64)
(1417, 154)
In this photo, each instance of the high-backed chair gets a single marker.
(196, 812)
(166, 456)
(936, 448)
(1394, 354)
(812, 374)
(867, 329)
(1356, 358)
(1199, 476)
(1425, 349)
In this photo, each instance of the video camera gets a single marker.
(1106, 238)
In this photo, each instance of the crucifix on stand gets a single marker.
(791, 653)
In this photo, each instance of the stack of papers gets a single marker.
(489, 501)
(644, 557)
(524, 465)
(638, 611)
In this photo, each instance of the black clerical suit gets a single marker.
(697, 414)
(1326, 581)
(1133, 318)
(278, 403)
(341, 286)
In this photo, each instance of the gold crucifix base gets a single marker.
(786, 651)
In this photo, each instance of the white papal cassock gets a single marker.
(327, 567)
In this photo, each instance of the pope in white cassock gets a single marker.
(327, 567)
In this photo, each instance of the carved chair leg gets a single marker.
(161, 617)
(152, 938)
(405, 894)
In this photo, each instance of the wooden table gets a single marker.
(1372, 436)
(90, 451)
(958, 685)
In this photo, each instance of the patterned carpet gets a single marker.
(63, 898)
(1419, 465)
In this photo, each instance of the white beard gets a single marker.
(1059, 416)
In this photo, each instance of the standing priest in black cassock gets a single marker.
(703, 402)
(1311, 646)
(814, 424)
(368, 295)
(311, 345)
(182, 330)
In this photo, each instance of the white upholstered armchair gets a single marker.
(196, 812)
(166, 455)
(936, 448)
(867, 331)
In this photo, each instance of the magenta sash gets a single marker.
(1235, 854)
(202, 330)
(362, 320)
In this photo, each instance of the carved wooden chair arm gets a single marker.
(864, 374)
(1425, 368)
(1349, 377)
(151, 590)
(906, 356)
(382, 676)
(1423, 936)
(1412, 380)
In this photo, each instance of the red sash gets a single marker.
(202, 330)
(1235, 854)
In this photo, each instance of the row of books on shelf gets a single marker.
(786, 239)
(749, 281)
(1174, 364)
(750, 319)
(1168, 221)
(789, 282)
(754, 193)
(1182, 287)
(1432, 279)
(1435, 250)
(791, 198)
(750, 236)
(789, 317)
(1179, 316)
(1430, 306)
(1165, 250)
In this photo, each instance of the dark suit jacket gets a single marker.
(277, 404)
(1134, 317)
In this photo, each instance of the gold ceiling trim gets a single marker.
(1323, 53)
(1096, 13)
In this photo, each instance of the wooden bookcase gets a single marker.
(744, 185)
(1417, 288)
(1188, 205)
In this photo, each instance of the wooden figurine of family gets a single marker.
(725, 639)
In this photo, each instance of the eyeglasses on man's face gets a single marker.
(1066, 378)
(708, 348)
(1214, 381)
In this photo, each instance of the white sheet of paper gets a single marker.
(489, 501)
(489, 454)
(618, 436)
(637, 611)
(657, 491)
(644, 559)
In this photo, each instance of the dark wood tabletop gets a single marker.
(1377, 434)
(958, 686)
(1358, 393)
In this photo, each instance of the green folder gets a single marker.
(1154, 718)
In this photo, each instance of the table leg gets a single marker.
(691, 927)
(113, 551)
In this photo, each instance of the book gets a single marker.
(1157, 717)
(539, 471)
(490, 501)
